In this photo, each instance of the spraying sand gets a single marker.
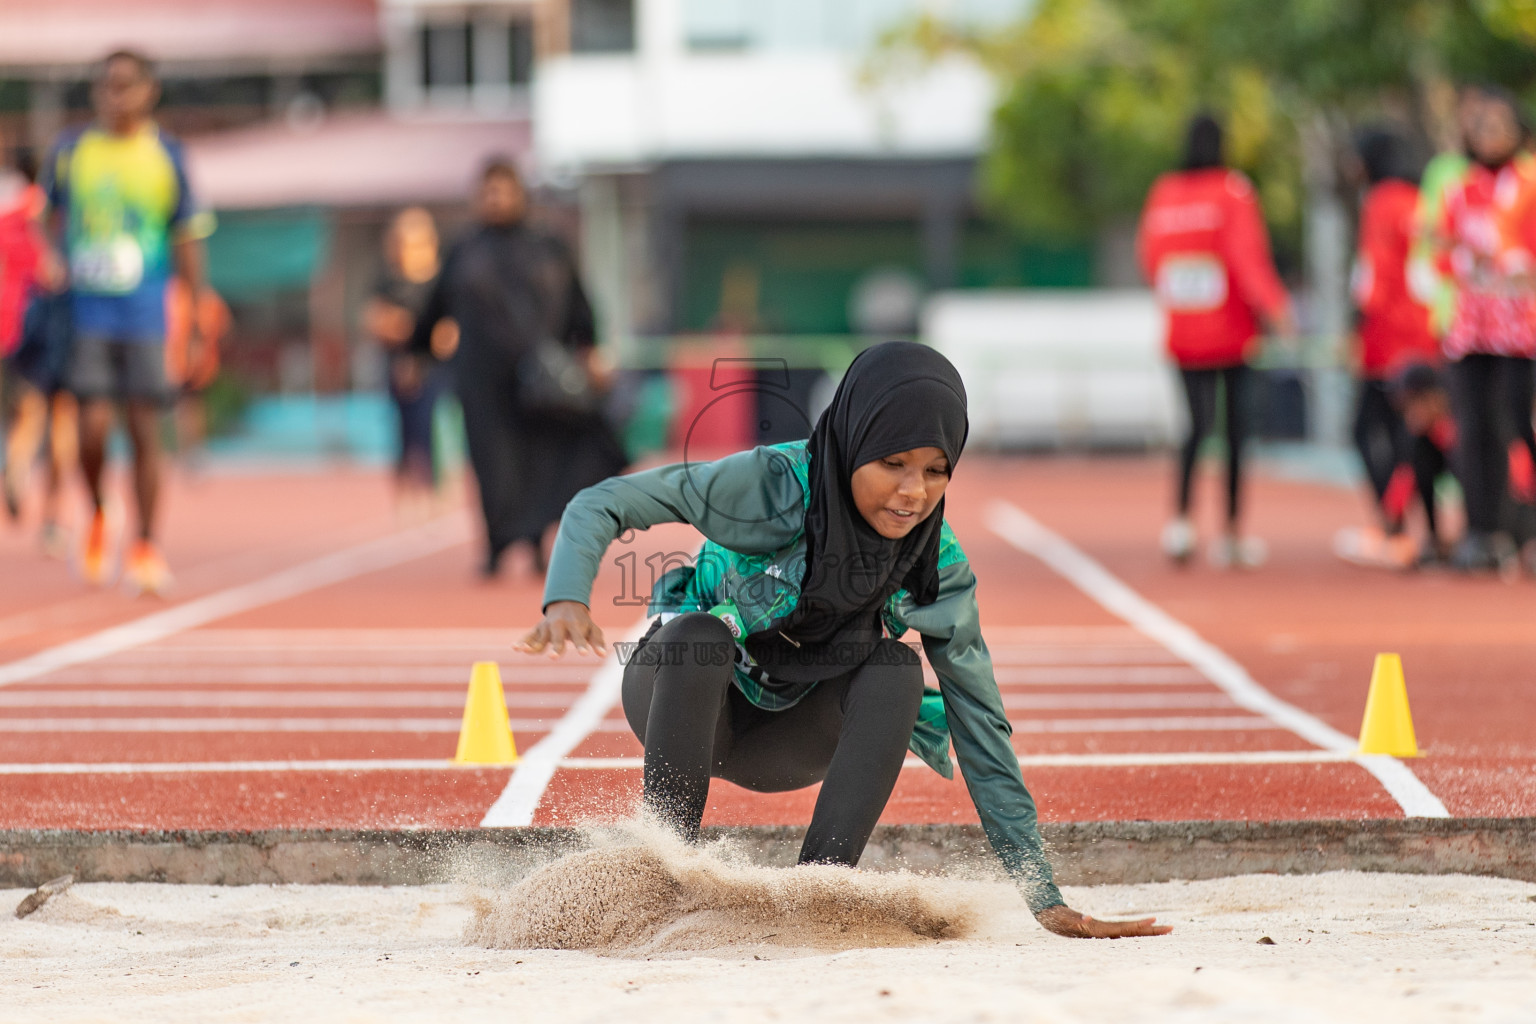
(651, 899)
(652, 934)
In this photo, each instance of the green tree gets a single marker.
(1095, 93)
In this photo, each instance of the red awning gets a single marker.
(41, 33)
(350, 160)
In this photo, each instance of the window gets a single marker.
(487, 51)
(718, 25)
(447, 56)
(602, 26)
(520, 52)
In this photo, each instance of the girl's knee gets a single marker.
(697, 626)
(904, 667)
(698, 644)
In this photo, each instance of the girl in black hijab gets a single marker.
(774, 661)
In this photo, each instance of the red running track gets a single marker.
(311, 667)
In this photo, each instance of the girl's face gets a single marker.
(896, 492)
(1496, 133)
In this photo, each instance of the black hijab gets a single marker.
(895, 397)
(1203, 144)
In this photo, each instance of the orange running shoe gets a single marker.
(95, 558)
(147, 572)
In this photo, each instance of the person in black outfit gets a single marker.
(505, 288)
(1421, 396)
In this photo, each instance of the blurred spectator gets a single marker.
(34, 341)
(416, 379)
(1420, 395)
(1491, 342)
(1392, 318)
(119, 192)
(1203, 244)
(524, 330)
(188, 379)
(21, 203)
(1444, 172)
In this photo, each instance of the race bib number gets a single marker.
(114, 266)
(1362, 281)
(1423, 281)
(1191, 284)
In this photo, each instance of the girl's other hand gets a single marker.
(564, 621)
(1063, 920)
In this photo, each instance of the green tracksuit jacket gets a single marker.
(750, 507)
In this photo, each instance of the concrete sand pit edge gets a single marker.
(1084, 853)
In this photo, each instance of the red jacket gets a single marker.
(1394, 320)
(20, 250)
(1203, 245)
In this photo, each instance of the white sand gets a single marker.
(1348, 947)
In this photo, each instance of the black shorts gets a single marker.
(129, 371)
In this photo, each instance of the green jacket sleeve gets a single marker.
(747, 502)
(951, 632)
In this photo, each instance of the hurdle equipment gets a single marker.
(486, 735)
(1387, 727)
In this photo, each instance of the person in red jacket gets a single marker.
(1491, 344)
(21, 250)
(1203, 245)
(35, 345)
(1392, 313)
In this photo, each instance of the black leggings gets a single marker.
(1380, 435)
(1384, 443)
(849, 733)
(1200, 393)
(1492, 396)
(1429, 462)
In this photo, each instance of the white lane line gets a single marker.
(406, 638)
(1085, 635)
(1025, 533)
(280, 656)
(524, 790)
(445, 698)
(1131, 760)
(1151, 676)
(235, 724)
(1108, 654)
(454, 698)
(111, 675)
(1191, 723)
(383, 553)
(1112, 701)
(1135, 760)
(237, 767)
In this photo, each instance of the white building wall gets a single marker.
(617, 110)
(796, 97)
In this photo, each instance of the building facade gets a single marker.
(742, 166)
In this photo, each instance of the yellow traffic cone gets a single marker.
(1388, 727)
(486, 735)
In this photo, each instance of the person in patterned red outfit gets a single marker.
(1491, 343)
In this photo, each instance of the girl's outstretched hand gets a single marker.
(563, 621)
(1064, 920)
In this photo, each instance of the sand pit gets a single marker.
(719, 941)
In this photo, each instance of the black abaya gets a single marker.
(507, 288)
